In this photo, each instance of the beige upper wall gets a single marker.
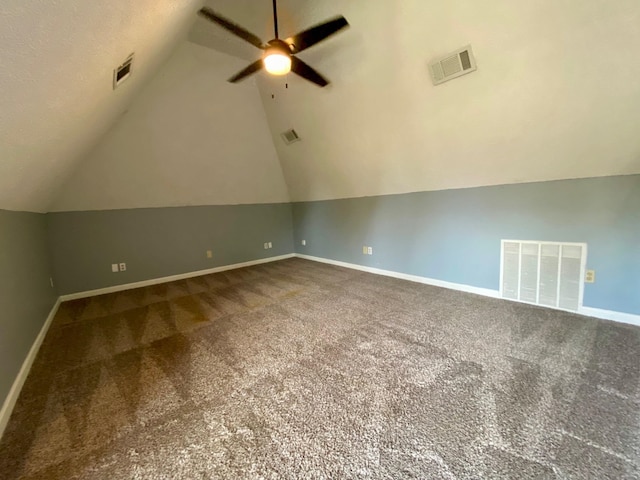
(189, 138)
(556, 95)
(56, 67)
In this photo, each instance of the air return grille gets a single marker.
(290, 136)
(453, 65)
(543, 273)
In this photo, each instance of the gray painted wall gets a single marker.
(26, 295)
(454, 235)
(158, 242)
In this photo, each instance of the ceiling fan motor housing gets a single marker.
(280, 44)
(277, 57)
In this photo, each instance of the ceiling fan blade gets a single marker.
(313, 35)
(232, 27)
(306, 72)
(253, 68)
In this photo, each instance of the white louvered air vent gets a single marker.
(290, 136)
(543, 273)
(453, 65)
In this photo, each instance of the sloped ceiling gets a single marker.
(56, 65)
(556, 94)
(189, 138)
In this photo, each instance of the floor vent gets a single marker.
(549, 274)
(290, 136)
(453, 65)
(123, 72)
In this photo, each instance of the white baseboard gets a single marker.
(621, 317)
(487, 292)
(14, 393)
(11, 399)
(172, 278)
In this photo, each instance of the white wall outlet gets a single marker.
(123, 267)
(590, 276)
(369, 250)
(304, 242)
(270, 245)
(115, 268)
(364, 250)
(266, 245)
(209, 254)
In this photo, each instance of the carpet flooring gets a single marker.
(297, 369)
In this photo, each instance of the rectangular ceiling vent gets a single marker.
(453, 65)
(123, 72)
(543, 273)
(290, 136)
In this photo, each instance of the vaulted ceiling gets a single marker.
(555, 96)
(56, 70)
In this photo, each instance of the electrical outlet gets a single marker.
(270, 245)
(304, 242)
(364, 250)
(123, 267)
(266, 245)
(209, 254)
(590, 276)
(115, 268)
(369, 250)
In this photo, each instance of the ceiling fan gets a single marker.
(279, 55)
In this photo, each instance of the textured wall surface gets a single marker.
(454, 235)
(26, 295)
(158, 242)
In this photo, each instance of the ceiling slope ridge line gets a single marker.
(274, 136)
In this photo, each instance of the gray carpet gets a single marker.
(297, 369)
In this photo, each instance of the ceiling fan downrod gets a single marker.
(275, 18)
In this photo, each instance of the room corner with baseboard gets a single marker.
(27, 297)
(400, 243)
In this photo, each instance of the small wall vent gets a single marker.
(290, 136)
(123, 72)
(543, 273)
(453, 65)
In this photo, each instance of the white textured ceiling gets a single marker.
(56, 97)
(556, 94)
(188, 138)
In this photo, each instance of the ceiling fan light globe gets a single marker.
(277, 63)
